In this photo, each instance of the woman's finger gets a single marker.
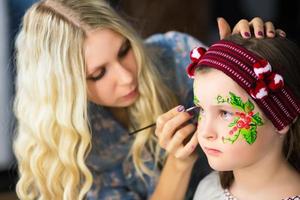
(224, 28)
(243, 28)
(171, 127)
(280, 32)
(179, 137)
(269, 29)
(258, 27)
(188, 149)
(164, 118)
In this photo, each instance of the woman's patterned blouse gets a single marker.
(113, 171)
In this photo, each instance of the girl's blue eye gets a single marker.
(226, 115)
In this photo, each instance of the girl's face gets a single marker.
(111, 69)
(232, 130)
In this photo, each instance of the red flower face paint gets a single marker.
(245, 123)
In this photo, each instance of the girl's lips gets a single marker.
(211, 151)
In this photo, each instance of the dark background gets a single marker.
(196, 17)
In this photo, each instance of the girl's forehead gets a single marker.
(209, 84)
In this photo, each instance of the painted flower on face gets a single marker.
(245, 123)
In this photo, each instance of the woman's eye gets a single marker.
(226, 115)
(98, 76)
(124, 49)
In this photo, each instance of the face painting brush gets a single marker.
(153, 124)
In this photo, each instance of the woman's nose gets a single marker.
(124, 75)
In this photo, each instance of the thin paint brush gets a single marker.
(151, 125)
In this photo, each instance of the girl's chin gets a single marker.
(221, 166)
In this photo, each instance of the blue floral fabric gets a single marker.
(114, 175)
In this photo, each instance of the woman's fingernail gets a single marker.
(272, 32)
(180, 108)
(282, 34)
(191, 113)
(247, 34)
(260, 33)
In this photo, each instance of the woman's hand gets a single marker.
(243, 27)
(176, 135)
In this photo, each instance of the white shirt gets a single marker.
(210, 188)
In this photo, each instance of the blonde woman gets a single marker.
(83, 82)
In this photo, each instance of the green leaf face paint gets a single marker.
(245, 123)
(196, 102)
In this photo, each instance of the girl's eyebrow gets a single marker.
(224, 106)
(219, 106)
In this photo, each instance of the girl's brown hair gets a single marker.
(284, 56)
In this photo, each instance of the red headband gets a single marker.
(254, 74)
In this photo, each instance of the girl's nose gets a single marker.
(206, 129)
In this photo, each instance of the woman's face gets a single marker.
(111, 69)
(232, 130)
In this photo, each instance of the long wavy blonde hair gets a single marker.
(53, 135)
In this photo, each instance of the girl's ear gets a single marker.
(284, 130)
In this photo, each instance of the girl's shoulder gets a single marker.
(210, 188)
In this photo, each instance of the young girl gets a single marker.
(84, 81)
(248, 94)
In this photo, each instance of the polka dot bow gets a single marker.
(195, 56)
(267, 81)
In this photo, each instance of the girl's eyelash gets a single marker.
(225, 113)
(200, 111)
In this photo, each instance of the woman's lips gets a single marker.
(212, 151)
(131, 94)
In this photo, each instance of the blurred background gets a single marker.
(196, 17)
